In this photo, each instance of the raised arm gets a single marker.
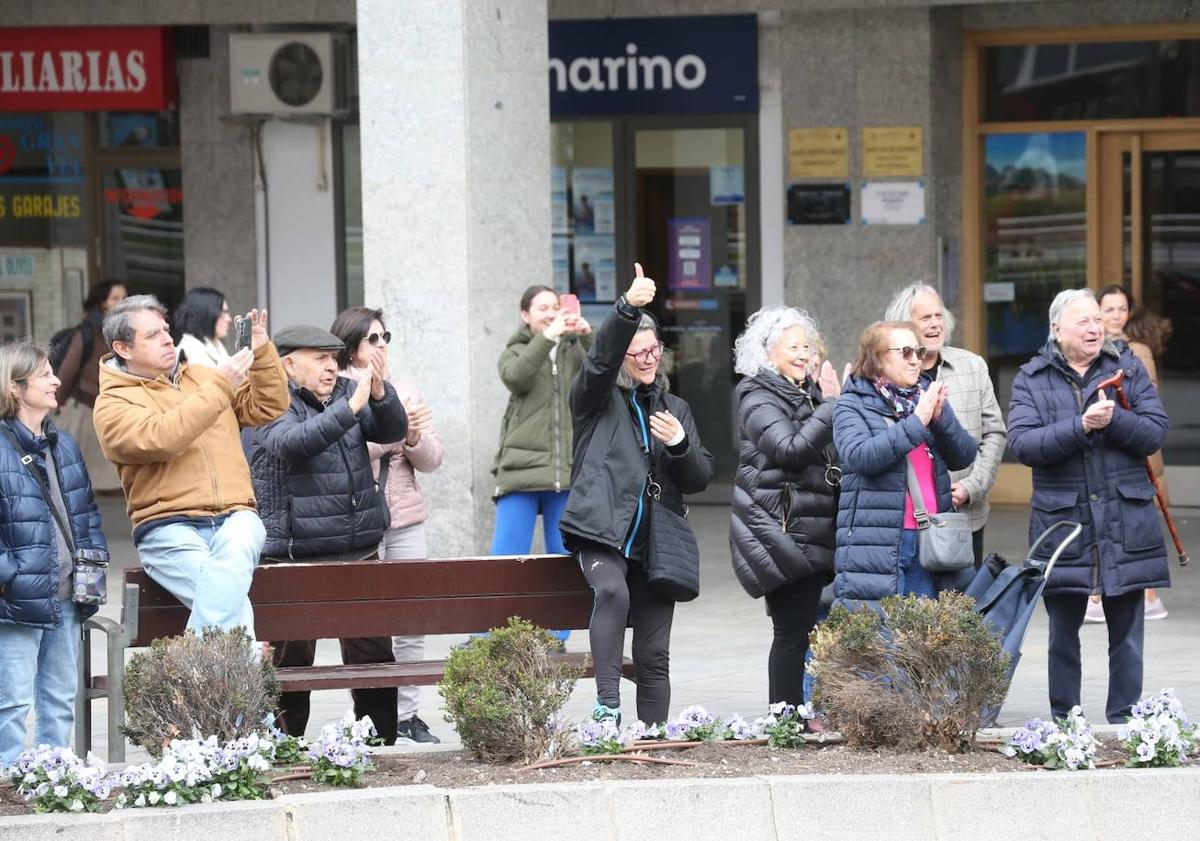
(776, 435)
(1033, 442)
(133, 434)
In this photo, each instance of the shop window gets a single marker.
(143, 230)
(1035, 215)
(1092, 81)
(583, 213)
(133, 130)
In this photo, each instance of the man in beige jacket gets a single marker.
(970, 393)
(172, 431)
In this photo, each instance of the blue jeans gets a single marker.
(208, 567)
(914, 578)
(516, 517)
(39, 668)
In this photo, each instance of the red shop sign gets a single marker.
(105, 68)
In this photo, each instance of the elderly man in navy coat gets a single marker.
(1088, 456)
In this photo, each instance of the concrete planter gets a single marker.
(1096, 805)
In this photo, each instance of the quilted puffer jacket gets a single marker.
(1095, 478)
(29, 561)
(312, 474)
(870, 517)
(785, 495)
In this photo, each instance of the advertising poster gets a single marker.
(558, 200)
(689, 264)
(560, 264)
(726, 185)
(592, 200)
(595, 267)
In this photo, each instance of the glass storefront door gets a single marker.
(1150, 239)
(680, 197)
(691, 235)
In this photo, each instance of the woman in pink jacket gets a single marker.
(362, 328)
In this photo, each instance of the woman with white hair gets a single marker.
(1088, 456)
(782, 531)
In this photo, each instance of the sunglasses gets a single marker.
(385, 336)
(907, 353)
(646, 356)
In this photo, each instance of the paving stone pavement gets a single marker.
(720, 641)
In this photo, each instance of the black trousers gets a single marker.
(379, 704)
(977, 545)
(623, 596)
(793, 609)
(1124, 616)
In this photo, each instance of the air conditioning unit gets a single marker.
(289, 73)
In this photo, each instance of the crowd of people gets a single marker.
(302, 445)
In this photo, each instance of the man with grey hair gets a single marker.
(172, 431)
(970, 393)
(1088, 456)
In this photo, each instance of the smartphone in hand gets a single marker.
(241, 332)
(569, 303)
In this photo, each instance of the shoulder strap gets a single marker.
(920, 513)
(27, 460)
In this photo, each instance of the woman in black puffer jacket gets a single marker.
(782, 533)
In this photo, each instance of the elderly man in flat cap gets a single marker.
(317, 495)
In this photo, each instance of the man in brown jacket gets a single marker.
(172, 431)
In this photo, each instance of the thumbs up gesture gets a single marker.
(641, 291)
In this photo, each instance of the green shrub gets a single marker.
(503, 692)
(195, 686)
(918, 673)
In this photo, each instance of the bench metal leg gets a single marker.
(83, 698)
(116, 697)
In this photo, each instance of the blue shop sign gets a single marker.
(693, 65)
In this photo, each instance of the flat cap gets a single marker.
(305, 336)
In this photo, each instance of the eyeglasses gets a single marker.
(645, 357)
(385, 336)
(907, 353)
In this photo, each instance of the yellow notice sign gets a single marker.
(819, 152)
(893, 151)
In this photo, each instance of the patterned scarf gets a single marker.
(902, 400)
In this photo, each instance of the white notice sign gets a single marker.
(893, 202)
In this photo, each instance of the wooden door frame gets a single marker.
(1014, 482)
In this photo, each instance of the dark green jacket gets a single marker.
(535, 436)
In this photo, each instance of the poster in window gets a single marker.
(592, 200)
(560, 262)
(595, 267)
(16, 316)
(558, 200)
(689, 244)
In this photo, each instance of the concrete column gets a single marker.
(456, 217)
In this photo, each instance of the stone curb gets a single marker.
(1025, 806)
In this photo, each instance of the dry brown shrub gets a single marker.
(917, 673)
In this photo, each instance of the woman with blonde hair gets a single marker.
(48, 514)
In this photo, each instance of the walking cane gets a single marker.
(1114, 382)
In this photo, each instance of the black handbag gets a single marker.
(673, 570)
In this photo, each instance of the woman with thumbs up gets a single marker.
(637, 452)
(1089, 465)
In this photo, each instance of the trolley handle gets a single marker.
(1076, 530)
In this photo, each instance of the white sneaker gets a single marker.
(1095, 611)
(1155, 609)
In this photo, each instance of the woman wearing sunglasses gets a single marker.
(884, 421)
(634, 443)
(363, 332)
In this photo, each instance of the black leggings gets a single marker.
(622, 595)
(793, 609)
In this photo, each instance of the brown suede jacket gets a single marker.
(175, 440)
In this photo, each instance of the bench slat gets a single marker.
(332, 620)
(385, 580)
(377, 675)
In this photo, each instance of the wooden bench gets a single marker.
(329, 600)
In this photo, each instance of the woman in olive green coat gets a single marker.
(533, 466)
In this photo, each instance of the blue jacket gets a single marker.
(870, 517)
(29, 561)
(1095, 478)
